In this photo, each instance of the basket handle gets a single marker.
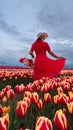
(26, 54)
(29, 54)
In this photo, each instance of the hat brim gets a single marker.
(42, 34)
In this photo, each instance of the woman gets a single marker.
(45, 66)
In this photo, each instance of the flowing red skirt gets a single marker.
(46, 67)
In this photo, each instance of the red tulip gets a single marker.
(2, 125)
(47, 97)
(63, 99)
(1, 94)
(34, 97)
(44, 88)
(10, 93)
(60, 120)
(38, 87)
(4, 90)
(21, 109)
(1, 110)
(40, 104)
(4, 122)
(55, 99)
(27, 94)
(70, 93)
(60, 90)
(41, 81)
(67, 87)
(7, 87)
(20, 88)
(50, 86)
(36, 83)
(43, 123)
(26, 99)
(29, 87)
(70, 107)
(20, 129)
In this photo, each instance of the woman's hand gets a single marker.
(31, 54)
(54, 55)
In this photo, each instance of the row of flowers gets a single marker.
(45, 104)
(15, 73)
(18, 73)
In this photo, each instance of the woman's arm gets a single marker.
(31, 54)
(54, 55)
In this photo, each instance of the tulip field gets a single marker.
(45, 104)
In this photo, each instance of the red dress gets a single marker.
(44, 66)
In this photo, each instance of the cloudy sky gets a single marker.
(21, 20)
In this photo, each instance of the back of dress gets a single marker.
(40, 48)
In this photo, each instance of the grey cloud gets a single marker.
(64, 48)
(26, 39)
(65, 51)
(11, 30)
(56, 18)
(42, 18)
(11, 57)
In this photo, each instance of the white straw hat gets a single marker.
(42, 33)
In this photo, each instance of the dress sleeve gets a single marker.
(47, 47)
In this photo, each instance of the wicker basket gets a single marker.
(27, 61)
